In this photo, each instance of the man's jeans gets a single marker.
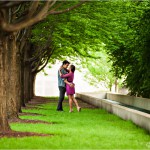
(62, 91)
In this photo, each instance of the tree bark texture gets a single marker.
(32, 85)
(27, 70)
(14, 72)
(4, 126)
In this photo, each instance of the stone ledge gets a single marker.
(139, 118)
(143, 103)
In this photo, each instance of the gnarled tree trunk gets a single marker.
(27, 70)
(22, 83)
(14, 88)
(27, 83)
(4, 126)
(32, 85)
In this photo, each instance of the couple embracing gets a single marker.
(65, 84)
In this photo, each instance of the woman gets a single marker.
(69, 88)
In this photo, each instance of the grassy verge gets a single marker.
(89, 129)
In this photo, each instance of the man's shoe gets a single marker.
(59, 109)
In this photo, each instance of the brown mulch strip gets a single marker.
(28, 121)
(30, 114)
(81, 103)
(85, 105)
(32, 104)
(39, 99)
(21, 134)
(33, 107)
(30, 107)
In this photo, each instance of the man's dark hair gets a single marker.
(72, 68)
(65, 62)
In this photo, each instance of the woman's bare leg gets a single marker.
(76, 103)
(70, 103)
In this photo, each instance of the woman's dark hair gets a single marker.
(65, 62)
(72, 68)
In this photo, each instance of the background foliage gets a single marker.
(103, 36)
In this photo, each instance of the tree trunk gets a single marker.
(25, 49)
(32, 85)
(22, 81)
(4, 126)
(26, 83)
(29, 83)
(27, 71)
(110, 88)
(14, 89)
(116, 85)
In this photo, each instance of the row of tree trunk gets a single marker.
(16, 78)
(20, 61)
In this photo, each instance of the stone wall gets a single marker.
(139, 102)
(99, 100)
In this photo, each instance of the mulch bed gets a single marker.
(30, 114)
(39, 100)
(85, 105)
(17, 134)
(34, 107)
(16, 120)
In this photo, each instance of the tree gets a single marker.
(15, 18)
(128, 47)
(138, 76)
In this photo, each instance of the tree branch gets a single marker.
(56, 7)
(53, 2)
(33, 8)
(86, 55)
(34, 58)
(45, 62)
(29, 19)
(18, 9)
(27, 22)
(66, 10)
(43, 65)
(6, 4)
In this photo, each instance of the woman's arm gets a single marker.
(64, 75)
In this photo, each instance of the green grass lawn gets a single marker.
(89, 129)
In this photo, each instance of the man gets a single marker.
(61, 85)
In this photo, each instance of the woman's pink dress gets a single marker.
(70, 77)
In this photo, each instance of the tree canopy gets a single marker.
(118, 28)
(97, 28)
